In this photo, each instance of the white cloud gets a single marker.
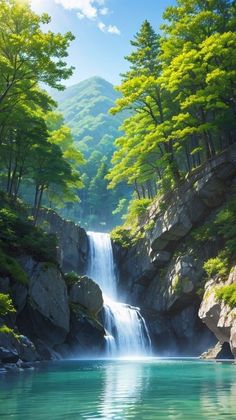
(102, 26)
(86, 8)
(112, 29)
(104, 11)
(80, 15)
(90, 9)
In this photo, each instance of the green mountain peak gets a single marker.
(85, 107)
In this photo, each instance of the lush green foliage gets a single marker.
(223, 225)
(4, 329)
(217, 266)
(131, 231)
(121, 236)
(10, 267)
(38, 160)
(138, 208)
(6, 304)
(19, 235)
(71, 278)
(180, 88)
(227, 294)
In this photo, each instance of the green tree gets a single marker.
(198, 69)
(37, 148)
(144, 59)
(28, 55)
(145, 153)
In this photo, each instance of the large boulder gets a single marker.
(8, 348)
(88, 294)
(14, 347)
(46, 314)
(27, 350)
(86, 331)
(48, 294)
(219, 317)
(219, 351)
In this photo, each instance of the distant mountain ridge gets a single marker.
(85, 107)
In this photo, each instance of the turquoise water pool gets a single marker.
(119, 389)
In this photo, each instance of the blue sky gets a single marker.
(103, 29)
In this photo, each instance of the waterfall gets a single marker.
(127, 333)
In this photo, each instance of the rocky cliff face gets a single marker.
(57, 312)
(163, 273)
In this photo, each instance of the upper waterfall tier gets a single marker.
(101, 263)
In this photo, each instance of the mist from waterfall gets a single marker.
(127, 333)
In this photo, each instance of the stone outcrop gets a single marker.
(176, 287)
(88, 294)
(72, 241)
(17, 347)
(203, 191)
(135, 270)
(219, 317)
(45, 313)
(219, 351)
(86, 331)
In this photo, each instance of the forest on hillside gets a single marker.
(177, 102)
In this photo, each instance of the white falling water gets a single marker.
(127, 333)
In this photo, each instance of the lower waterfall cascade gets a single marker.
(127, 332)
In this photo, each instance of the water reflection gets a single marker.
(137, 390)
(123, 388)
(223, 401)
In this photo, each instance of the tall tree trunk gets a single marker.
(136, 189)
(143, 191)
(40, 195)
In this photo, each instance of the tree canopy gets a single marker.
(38, 156)
(180, 89)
